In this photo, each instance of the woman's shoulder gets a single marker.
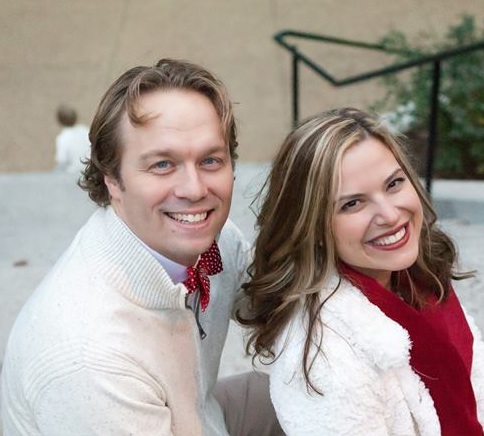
(347, 319)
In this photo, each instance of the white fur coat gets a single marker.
(364, 374)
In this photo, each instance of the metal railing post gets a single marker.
(295, 90)
(433, 128)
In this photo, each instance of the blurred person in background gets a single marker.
(72, 144)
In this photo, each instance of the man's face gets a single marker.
(176, 175)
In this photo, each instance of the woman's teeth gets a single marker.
(388, 240)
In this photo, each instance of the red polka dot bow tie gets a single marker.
(210, 263)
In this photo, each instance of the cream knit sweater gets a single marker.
(106, 346)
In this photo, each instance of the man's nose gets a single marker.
(190, 184)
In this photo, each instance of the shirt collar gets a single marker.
(176, 271)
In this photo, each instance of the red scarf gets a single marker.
(441, 352)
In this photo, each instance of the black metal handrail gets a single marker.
(435, 59)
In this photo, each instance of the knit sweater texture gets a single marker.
(107, 346)
(362, 368)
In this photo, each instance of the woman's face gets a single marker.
(378, 214)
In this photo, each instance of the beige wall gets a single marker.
(70, 51)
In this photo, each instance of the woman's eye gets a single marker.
(350, 205)
(396, 182)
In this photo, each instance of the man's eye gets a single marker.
(210, 161)
(162, 165)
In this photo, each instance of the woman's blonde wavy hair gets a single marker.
(295, 248)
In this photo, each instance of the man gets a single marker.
(121, 337)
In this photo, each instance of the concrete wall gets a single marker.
(70, 51)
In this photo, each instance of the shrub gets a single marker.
(460, 143)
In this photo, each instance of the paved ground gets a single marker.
(40, 213)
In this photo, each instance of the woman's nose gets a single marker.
(386, 213)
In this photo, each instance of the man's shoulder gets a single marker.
(231, 230)
(232, 239)
(234, 249)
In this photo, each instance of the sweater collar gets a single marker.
(119, 257)
(176, 271)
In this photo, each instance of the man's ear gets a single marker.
(113, 185)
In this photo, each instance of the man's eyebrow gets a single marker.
(216, 148)
(155, 154)
(171, 152)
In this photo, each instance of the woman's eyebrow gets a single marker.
(358, 194)
(392, 175)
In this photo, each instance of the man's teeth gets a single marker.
(189, 218)
(388, 240)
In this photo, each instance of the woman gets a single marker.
(351, 295)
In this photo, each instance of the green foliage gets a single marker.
(460, 149)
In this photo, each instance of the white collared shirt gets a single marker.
(176, 271)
